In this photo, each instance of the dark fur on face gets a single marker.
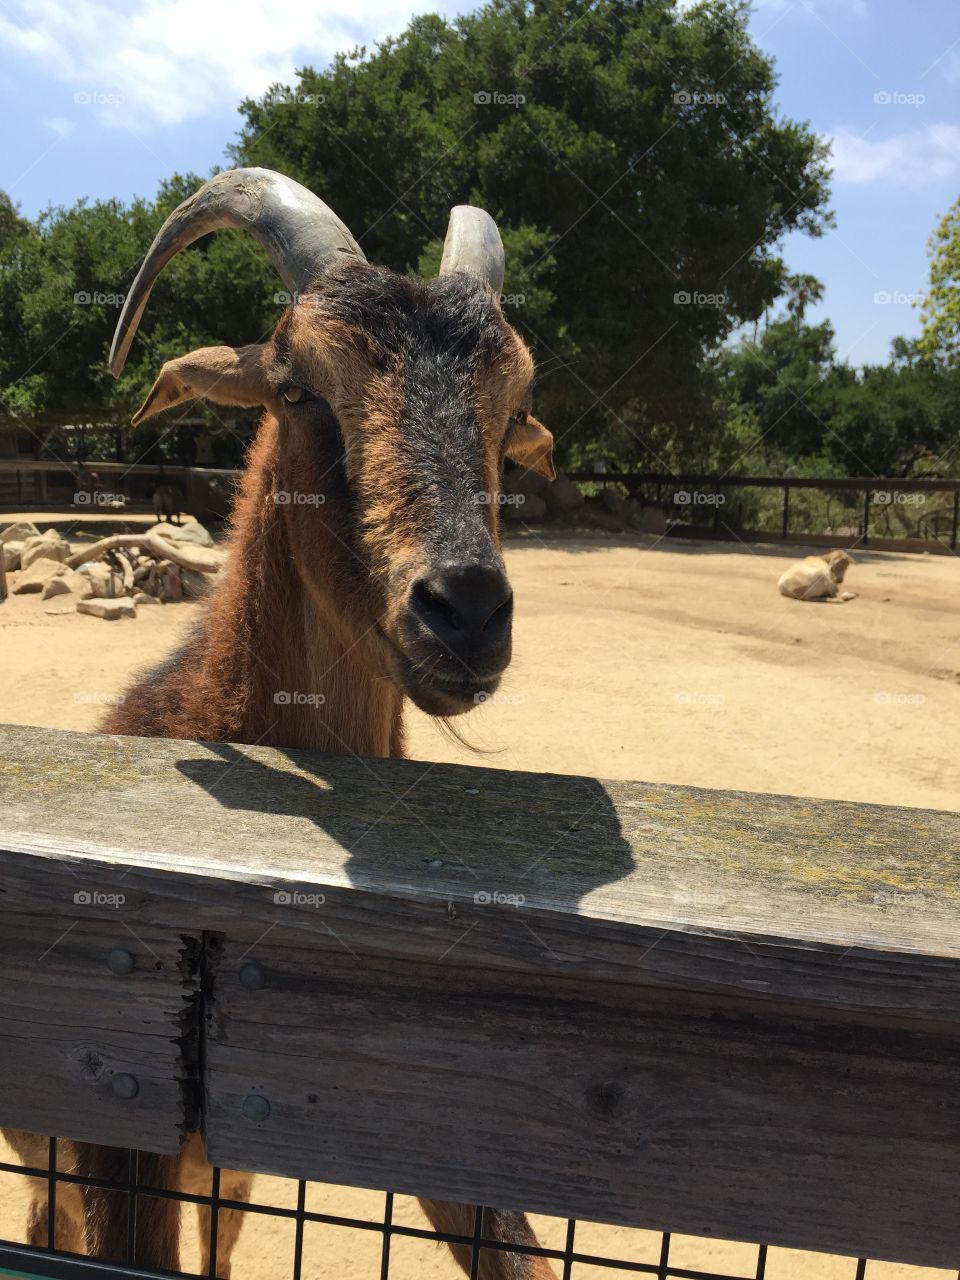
(391, 405)
(417, 382)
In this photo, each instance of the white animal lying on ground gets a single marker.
(817, 578)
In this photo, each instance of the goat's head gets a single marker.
(394, 402)
(839, 562)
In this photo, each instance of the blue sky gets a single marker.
(106, 99)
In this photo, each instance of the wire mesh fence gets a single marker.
(41, 1205)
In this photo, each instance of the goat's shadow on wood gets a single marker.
(492, 834)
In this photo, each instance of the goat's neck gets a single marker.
(305, 679)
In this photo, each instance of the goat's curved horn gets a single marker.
(473, 244)
(294, 226)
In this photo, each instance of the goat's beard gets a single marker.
(433, 694)
(444, 705)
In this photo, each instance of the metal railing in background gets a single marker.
(872, 498)
(695, 505)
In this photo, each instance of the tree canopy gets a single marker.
(941, 306)
(631, 153)
(643, 181)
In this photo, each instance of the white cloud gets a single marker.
(166, 61)
(60, 125)
(800, 7)
(914, 157)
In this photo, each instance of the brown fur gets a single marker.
(407, 431)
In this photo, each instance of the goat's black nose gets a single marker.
(464, 604)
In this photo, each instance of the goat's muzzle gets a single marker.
(453, 636)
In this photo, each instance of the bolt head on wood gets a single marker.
(120, 962)
(124, 1086)
(251, 977)
(255, 1107)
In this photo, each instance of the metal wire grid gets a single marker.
(23, 1258)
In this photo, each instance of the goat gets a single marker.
(168, 501)
(818, 578)
(365, 559)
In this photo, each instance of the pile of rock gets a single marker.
(110, 578)
(529, 497)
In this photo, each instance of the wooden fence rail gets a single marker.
(705, 1012)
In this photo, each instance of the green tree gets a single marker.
(895, 419)
(62, 283)
(802, 290)
(786, 377)
(635, 149)
(941, 306)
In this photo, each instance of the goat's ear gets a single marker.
(531, 444)
(227, 375)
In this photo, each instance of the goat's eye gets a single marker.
(295, 394)
(518, 418)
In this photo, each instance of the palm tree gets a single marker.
(802, 290)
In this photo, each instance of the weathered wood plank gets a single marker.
(74, 1034)
(700, 1011)
(637, 1107)
(839, 904)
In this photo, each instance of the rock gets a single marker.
(36, 577)
(171, 582)
(615, 502)
(195, 585)
(123, 607)
(105, 583)
(68, 582)
(47, 546)
(143, 597)
(531, 508)
(651, 519)
(19, 532)
(562, 497)
(55, 587)
(11, 555)
(601, 519)
(191, 532)
(520, 480)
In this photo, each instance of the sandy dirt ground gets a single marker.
(670, 661)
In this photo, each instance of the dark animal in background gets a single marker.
(168, 502)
